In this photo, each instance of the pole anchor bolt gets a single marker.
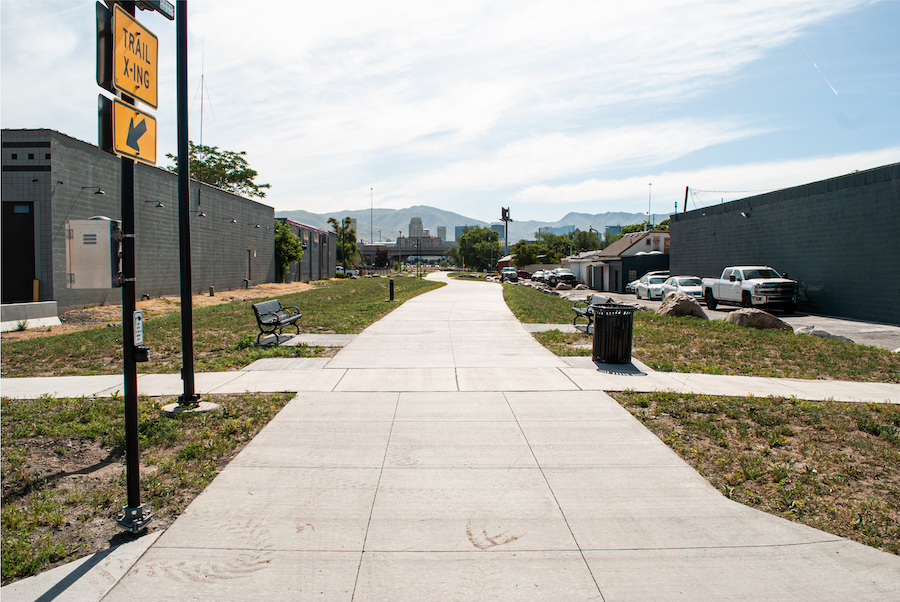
(134, 519)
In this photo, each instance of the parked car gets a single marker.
(751, 286)
(524, 274)
(689, 285)
(631, 286)
(538, 276)
(649, 286)
(561, 275)
(509, 275)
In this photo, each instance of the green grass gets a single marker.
(224, 335)
(829, 465)
(689, 344)
(56, 511)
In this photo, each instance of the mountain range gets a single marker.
(385, 224)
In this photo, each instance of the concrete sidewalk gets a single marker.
(443, 454)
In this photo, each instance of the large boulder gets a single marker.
(562, 286)
(680, 304)
(756, 318)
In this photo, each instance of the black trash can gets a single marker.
(613, 328)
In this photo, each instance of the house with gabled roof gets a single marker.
(626, 259)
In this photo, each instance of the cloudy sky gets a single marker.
(543, 107)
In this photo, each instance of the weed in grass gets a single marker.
(751, 469)
(773, 439)
(780, 473)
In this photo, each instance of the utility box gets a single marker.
(92, 253)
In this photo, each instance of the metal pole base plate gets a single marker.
(134, 519)
(174, 409)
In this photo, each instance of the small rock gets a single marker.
(562, 286)
(680, 304)
(756, 318)
(598, 300)
(581, 287)
(818, 332)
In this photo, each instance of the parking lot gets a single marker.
(865, 333)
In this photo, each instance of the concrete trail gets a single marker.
(428, 471)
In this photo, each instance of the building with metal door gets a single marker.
(50, 179)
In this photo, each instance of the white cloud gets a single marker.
(710, 184)
(557, 155)
(428, 101)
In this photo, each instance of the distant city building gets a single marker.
(613, 230)
(426, 233)
(499, 229)
(561, 231)
(459, 231)
(442, 232)
(419, 242)
(415, 228)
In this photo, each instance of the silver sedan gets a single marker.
(689, 285)
(649, 287)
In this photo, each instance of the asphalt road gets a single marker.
(864, 333)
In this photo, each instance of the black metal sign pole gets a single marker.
(135, 515)
(189, 398)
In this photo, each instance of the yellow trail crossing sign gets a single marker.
(134, 133)
(135, 54)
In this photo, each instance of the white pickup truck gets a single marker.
(751, 286)
(349, 273)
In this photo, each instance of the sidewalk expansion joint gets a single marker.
(555, 500)
(387, 448)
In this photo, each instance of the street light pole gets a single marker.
(371, 215)
(649, 190)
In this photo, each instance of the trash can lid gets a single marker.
(614, 308)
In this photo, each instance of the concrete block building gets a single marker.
(319, 252)
(836, 237)
(49, 178)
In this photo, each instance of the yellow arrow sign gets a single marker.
(134, 133)
(135, 54)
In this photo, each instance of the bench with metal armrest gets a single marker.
(271, 318)
(583, 309)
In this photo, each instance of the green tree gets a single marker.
(382, 258)
(288, 250)
(610, 238)
(586, 240)
(347, 249)
(556, 245)
(478, 248)
(524, 254)
(453, 256)
(223, 169)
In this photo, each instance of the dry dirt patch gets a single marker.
(109, 315)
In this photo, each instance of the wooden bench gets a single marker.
(271, 318)
(582, 309)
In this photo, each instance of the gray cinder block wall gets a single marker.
(224, 253)
(836, 237)
(319, 255)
